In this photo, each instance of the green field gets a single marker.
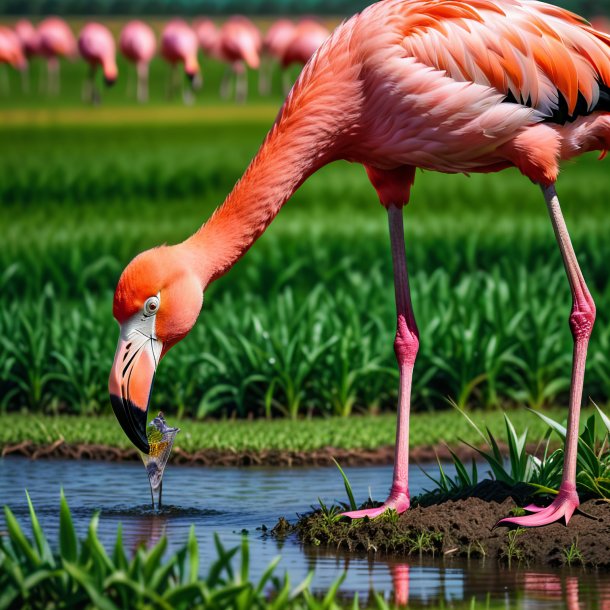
(427, 429)
(304, 323)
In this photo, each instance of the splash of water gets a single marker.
(161, 440)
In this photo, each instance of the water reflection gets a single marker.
(146, 530)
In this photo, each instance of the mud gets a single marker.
(465, 528)
(380, 456)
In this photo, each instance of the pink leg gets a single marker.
(582, 318)
(406, 346)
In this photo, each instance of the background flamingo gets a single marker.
(10, 53)
(276, 40)
(455, 87)
(97, 48)
(240, 46)
(137, 43)
(307, 38)
(56, 41)
(30, 45)
(179, 45)
(208, 36)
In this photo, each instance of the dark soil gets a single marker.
(465, 528)
(380, 456)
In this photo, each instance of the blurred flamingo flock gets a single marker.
(238, 42)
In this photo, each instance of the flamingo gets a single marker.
(455, 87)
(179, 45)
(208, 37)
(307, 38)
(137, 43)
(275, 42)
(56, 41)
(10, 52)
(240, 46)
(97, 48)
(30, 45)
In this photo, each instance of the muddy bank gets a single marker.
(464, 528)
(380, 456)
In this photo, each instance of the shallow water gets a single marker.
(230, 500)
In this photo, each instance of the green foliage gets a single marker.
(305, 323)
(513, 551)
(82, 574)
(572, 555)
(348, 487)
(542, 474)
(357, 432)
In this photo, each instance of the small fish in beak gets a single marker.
(160, 440)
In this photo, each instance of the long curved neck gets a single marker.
(309, 133)
(289, 155)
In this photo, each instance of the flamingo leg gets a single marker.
(582, 318)
(406, 345)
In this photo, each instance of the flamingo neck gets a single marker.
(294, 149)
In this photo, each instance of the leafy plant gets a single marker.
(81, 573)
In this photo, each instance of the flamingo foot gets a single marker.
(398, 500)
(564, 506)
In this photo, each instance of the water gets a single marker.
(231, 500)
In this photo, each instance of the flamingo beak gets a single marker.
(132, 376)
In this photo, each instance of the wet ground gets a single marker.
(230, 500)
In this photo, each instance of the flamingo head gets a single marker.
(191, 68)
(156, 303)
(111, 71)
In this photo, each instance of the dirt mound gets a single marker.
(465, 528)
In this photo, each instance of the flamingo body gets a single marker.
(307, 38)
(208, 37)
(97, 48)
(11, 52)
(179, 45)
(56, 42)
(56, 38)
(469, 86)
(28, 37)
(137, 42)
(138, 45)
(240, 41)
(278, 37)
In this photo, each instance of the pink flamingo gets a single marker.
(240, 46)
(137, 43)
(277, 38)
(179, 45)
(307, 38)
(208, 36)
(97, 48)
(10, 53)
(455, 87)
(30, 45)
(56, 41)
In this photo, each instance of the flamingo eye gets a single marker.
(151, 306)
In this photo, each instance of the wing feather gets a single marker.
(537, 53)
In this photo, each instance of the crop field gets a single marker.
(304, 323)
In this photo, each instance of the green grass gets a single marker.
(306, 435)
(304, 323)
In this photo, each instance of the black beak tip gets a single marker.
(133, 422)
(110, 81)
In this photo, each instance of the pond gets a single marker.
(230, 501)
